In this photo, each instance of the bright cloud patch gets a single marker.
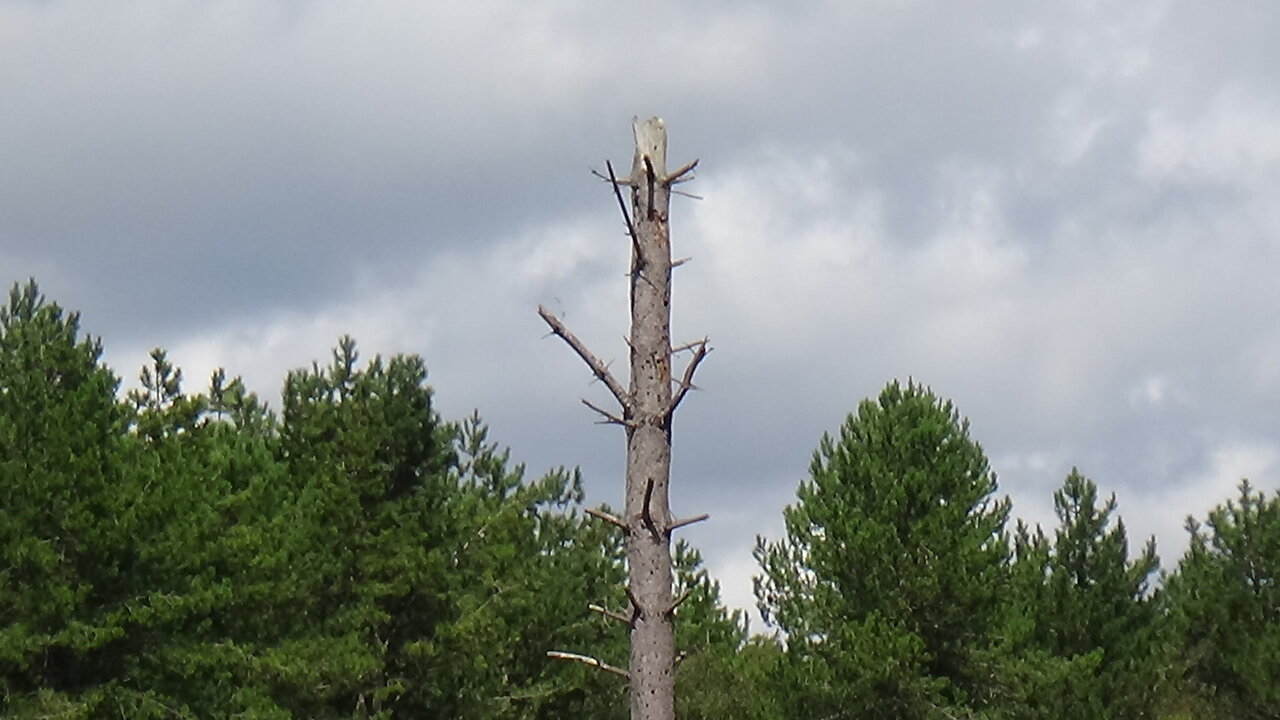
(1233, 140)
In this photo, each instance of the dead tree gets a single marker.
(645, 412)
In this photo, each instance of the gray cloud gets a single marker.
(1062, 218)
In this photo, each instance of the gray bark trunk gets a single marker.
(649, 432)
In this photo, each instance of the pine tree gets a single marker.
(738, 684)
(1081, 629)
(432, 574)
(128, 527)
(211, 562)
(887, 581)
(1224, 605)
(65, 534)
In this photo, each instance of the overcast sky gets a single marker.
(1063, 216)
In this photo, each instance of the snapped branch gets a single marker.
(609, 418)
(687, 346)
(599, 369)
(679, 175)
(588, 660)
(651, 180)
(635, 606)
(622, 206)
(671, 611)
(700, 350)
(625, 182)
(686, 521)
(611, 519)
(611, 614)
(646, 516)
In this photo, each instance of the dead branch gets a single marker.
(679, 175)
(625, 182)
(611, 519)
(588, 660)
(609, 418)
(646, 516)
(610, 614)
(686, 521)
(700, 350)
(676, 603)
(599, 369)
(636, 613)
(622, 205)
(651, 180)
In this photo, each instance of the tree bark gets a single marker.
(649, 431)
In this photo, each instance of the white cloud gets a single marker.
(464, 312)
(1061, 217)
(1234, 139)
(1150, 390)
(1162, 510)
(735, 574)
(1074, 125)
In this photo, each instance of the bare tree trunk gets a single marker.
(647, 408)
(649, 432)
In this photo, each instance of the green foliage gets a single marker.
(207, 496)
(715, 676)
(887, 581)
(703, 624)
(192, 555)
(1224, 606)
(66, 521)
(175, 554)
(426, 553)
(740, 683)
(130, 532)
(1080, 628)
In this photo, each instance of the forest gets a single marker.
(180, 552)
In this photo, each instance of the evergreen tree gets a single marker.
(1080, 633)
(733, 684)
(436, 576)
(702, 623)
(887, 582)
(65, 533)
(708, 638)
(529, 560)
(125, 529)
(1224, 605)
(211, 565)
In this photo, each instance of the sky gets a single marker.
(1061, 216)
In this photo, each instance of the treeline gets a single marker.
(193, 555)
(177, 554)
(904, 593)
